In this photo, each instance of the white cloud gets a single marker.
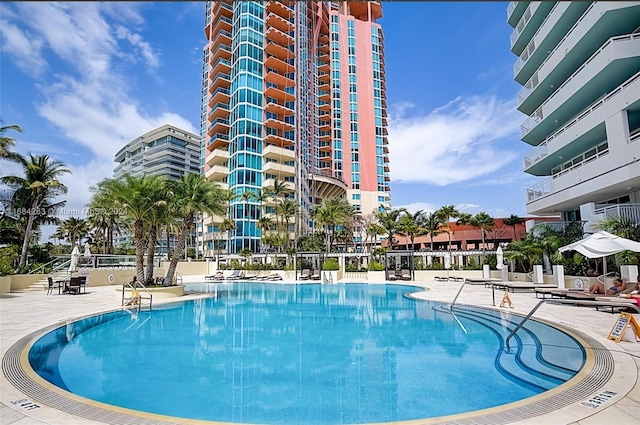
(90, 52)
(417, 206)
(456, 142)
(88, 97)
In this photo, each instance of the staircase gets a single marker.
(540, 360)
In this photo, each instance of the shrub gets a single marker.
(376, 266)
(331, 264)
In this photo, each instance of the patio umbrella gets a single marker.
(600, 245)
(499, 258)
(75, 255)
(87, 250)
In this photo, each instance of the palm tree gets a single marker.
(226, 225)
(388, 219)
(374, 230)
(6, 142)
(331, 213)
(432, 226)
(40, 183)
(264, 224)
(513, 220)
(410, 225)
(136, 197)
(288, 209)
(74, 229)
(446, 213)
(246, 196)
(485, 223)
(464, 219)
(278, 189)
(190, 195)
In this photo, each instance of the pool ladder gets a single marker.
(135, 301)
(326, 279)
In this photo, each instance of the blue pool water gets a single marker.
(305, 354)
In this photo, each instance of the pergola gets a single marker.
(398, 260)
(310, 260)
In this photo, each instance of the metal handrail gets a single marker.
(604, 278)
(45, 265)
(565, 301)
(135, 286)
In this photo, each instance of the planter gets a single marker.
(376, 276)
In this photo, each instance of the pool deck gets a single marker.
(22, 313)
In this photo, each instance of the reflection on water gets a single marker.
(274, 353)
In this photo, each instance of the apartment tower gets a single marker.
(293, 93)
(579, 65)
(166, 151)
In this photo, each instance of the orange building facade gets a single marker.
(293, 92)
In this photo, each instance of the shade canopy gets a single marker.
(601, 244)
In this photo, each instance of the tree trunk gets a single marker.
(27, 233)
(151, 245)
(140, 249)
(177, 251)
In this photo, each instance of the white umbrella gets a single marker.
(499, 258)
(601, 244)
(87, 250)
(75, 255)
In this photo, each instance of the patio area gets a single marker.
(24, 312)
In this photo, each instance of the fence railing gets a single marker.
(629, 212)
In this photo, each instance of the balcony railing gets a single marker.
(523, 22)
(535, 155)
(534, 81)
(537, 116)
(543, 188)
(629, 212)
(531, 47)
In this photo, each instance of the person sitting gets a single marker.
(598, 288)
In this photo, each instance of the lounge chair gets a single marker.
(305, 275)
(217, 276)
(512, 286)
(273, 276)
(393, 275)
(456, 278)
(441, 279)
(616, 302)
(235, 275)
(314, 276)
(406, 274)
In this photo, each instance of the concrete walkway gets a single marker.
(24, 312)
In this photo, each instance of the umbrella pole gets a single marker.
(604, 271)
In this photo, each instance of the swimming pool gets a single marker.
(305, 354)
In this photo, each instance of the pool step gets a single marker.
(528, 361)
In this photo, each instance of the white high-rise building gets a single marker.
(579, 65)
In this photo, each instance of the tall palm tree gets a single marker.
(190, 195)
(246, 197)
(388, 219)
(135, 196)
(374, 230)
(446, 213)
(74, 229)
(410, 225)
(226, 225)
(432, 226)
(6, 142)
(40, 182)
(278, 190)
(485, 223)
(464, 219)
(513, 220)
(288, 210)
(331, 213)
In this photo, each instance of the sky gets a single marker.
(84, 79)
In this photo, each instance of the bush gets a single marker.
(331, 264)
(376, 266)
